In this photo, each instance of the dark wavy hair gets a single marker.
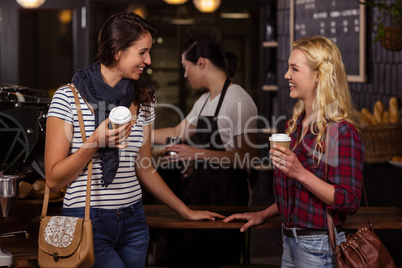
(120, 32)
(206, 47)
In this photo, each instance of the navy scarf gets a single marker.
(103, 99)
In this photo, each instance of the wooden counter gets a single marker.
(159, 216)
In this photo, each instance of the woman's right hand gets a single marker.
(198, 215)
(112, 137)
(253, 218)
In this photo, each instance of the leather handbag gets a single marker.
(361, 249)
(67, 241)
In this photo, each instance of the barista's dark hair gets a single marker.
(206, 47)
(118, 33)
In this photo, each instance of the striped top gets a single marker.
(125, 189)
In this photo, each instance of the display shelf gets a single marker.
(269, 48)
(267, 131)
(270, 87)
(270, 44)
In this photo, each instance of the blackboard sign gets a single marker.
(342, 21)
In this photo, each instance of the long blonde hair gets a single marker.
(333, 101)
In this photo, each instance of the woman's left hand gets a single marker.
(184, 152)
(285, 160)
(197, 215)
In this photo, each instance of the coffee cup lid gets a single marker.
(120, 115)
(279, 137)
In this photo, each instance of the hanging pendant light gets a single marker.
(175, 2)
(30, 3)
(207, 6)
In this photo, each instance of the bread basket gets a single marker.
(382, 142)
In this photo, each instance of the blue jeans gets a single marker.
(121, 236)
(309, 251)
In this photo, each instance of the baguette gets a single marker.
(378, 111)
(363, 119)
(385, 117)
(370, 117)
(393, 110)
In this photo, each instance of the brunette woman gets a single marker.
(121, 157)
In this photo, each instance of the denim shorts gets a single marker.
(121, 236)
(309, 251)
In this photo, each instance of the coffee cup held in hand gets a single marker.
(279, 139)
(119, 116)
(171, 141)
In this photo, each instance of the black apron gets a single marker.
(210, 184)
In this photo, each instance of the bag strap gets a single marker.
(89, 176)
(330, 220)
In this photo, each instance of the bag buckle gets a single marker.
(55, 257)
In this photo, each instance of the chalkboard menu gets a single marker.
(342, 21)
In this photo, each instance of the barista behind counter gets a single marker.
(215, 131)
(217, 138)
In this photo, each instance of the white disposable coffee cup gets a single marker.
(279, 139)
(119, 116)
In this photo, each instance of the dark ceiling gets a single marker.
(226, 5)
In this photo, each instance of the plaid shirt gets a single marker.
(301, 208)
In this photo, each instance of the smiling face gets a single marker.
(302, 79)
(132, 61)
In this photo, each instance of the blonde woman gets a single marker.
(323, 132)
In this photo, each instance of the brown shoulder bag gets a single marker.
(361, 249)
(67, 241)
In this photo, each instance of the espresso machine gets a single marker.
(8, 194)
(22, 122)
